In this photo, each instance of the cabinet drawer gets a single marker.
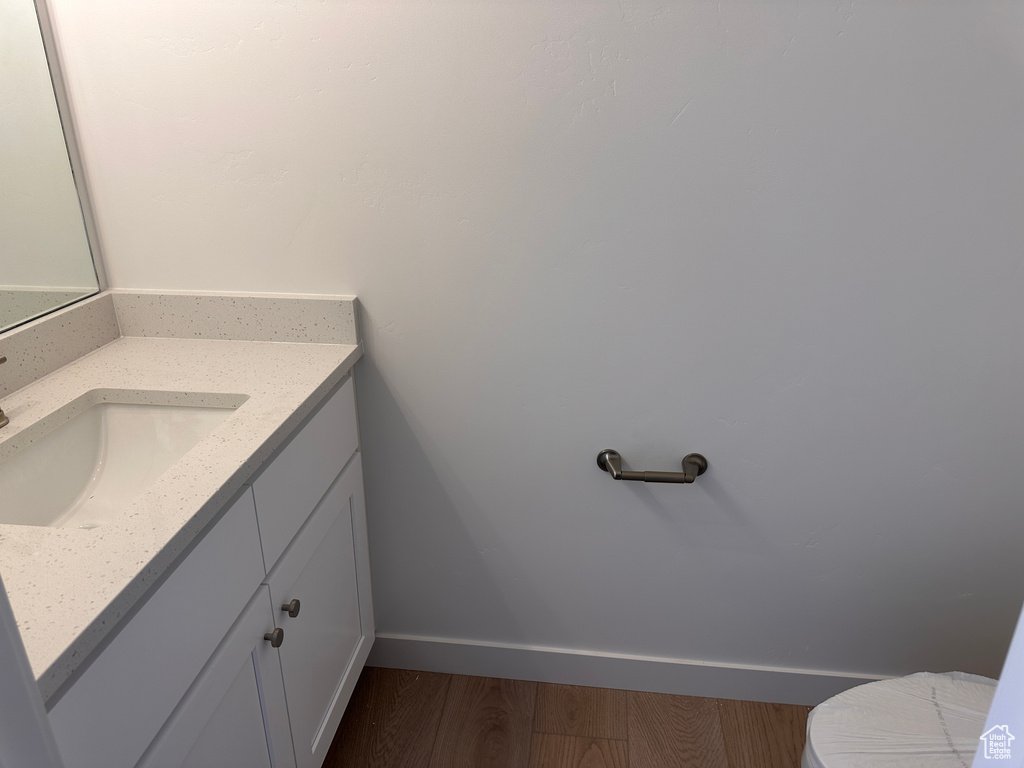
(112, 712)
(290, 487)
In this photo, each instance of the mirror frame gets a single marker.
(51, 49)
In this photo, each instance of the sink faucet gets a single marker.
(4, 421)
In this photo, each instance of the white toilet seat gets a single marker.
(921, 720)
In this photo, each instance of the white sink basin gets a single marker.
(83, 464)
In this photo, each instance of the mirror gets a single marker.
(45, 255)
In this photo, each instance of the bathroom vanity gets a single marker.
(182, 532)
(222, 616)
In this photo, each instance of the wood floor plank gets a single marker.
(574, 710)
(391, 720)
(550, 750)
(759, 735)
(678, 731)
(486, 724)
(402, 719)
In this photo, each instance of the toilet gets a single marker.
(925, 719)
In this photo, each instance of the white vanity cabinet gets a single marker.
(239, 698)
(257, 705)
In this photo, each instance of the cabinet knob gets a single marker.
(292, 608)
(276, 637)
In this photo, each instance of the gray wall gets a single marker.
(785, 235)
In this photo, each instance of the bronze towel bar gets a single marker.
(693, 465)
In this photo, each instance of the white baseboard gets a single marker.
(610, 670)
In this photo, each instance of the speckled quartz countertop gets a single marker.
(68, 587)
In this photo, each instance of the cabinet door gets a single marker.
(326, 569)
(125, 695)
(224, 719)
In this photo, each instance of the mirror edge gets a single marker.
(51, 47)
